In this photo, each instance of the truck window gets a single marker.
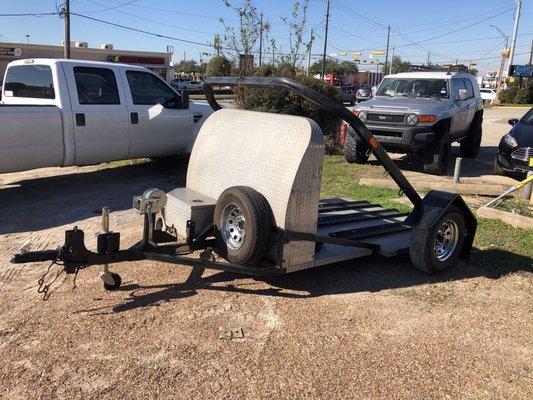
(148, 89)
(469, 87)
(457, 84)
(34, 81)
(96, 85)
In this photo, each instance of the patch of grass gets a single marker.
(340, 179)
(515, 105)
(516, 206)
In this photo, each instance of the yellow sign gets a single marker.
(342, 54)
(357, 53)
(506, 53)
(377, 53)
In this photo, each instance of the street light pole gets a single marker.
(387, 51)
(515, 32)
(261, 40)
(325, 43)
(502, 64)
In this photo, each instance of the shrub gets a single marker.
(524, 96)
(507, 95)
(285, 102)
(218, 66)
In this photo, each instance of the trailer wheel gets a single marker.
(243, 221)
(438, 249)
(355, 151)
(117, 281)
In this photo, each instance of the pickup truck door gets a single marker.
(100, 115)
(460, 109)
(158, 126)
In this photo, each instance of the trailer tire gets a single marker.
(435, 250)
(243, 223)
(355, 151)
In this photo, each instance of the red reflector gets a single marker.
(342, 133)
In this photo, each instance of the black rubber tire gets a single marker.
(422, 246)
(259, 223)
(435, 157)
(355, 151)
(469, 146)
(117, 282)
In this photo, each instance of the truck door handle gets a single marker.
(80, 119)
(197, 117)
(134, 118)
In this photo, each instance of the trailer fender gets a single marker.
(434, 205)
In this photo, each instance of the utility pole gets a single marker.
(392, 57)
(387, 51)
(325, 43)
(309, 48)
(66, 16)
(429, 58)
(515, 32)
(261, 40)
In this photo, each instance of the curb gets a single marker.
(516, 220)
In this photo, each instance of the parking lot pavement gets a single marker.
(373, 329)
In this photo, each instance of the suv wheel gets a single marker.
(471, 144)
(435, 157)
(355, 151)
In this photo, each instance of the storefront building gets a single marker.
(159, 62)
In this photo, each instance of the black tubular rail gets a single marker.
(329, 105)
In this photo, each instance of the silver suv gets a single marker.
(422, 112)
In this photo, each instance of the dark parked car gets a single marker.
(347, 94)
(363, 93)
(515, 151)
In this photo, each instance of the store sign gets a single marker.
(525, 71)
(10, 51)
(135, 59)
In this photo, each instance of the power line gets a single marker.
(344, 8)
(141, 30)
(28, 14)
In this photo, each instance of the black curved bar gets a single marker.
(327, 104)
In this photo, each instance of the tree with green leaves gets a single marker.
(296, 25)
(340, 69)
(218, 66)
(398, 65)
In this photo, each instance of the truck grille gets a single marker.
(523, 153)
(385, 118)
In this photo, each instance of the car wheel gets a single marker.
(243, 221)
(355, 151)
(435, 157)
(435, 250)
(471, 144)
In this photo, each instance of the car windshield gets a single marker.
(528, 118)
(403, 87)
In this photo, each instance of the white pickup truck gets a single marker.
(71, 112)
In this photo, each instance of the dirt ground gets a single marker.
(369, 329)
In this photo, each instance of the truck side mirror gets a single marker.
(463, 94)
(183, 100)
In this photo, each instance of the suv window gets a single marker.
(148, 89)
(33, 81)
(457, 84)
(96, 85)
(469, 87)
(413, 87)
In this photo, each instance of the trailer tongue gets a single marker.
(251, 204)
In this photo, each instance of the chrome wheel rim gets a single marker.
(233, 226)
(446, 240)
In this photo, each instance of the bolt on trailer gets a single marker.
(251, 204)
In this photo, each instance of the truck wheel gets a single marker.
(438, 249)
(355, 151)
(243, 221)
(471, 144)
(435, 157)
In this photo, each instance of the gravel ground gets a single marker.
(369, 329)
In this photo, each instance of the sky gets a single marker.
(447, 30)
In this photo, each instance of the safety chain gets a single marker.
(45, 288)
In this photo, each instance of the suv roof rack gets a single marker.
(442, 68)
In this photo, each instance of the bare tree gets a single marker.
(297, 27)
